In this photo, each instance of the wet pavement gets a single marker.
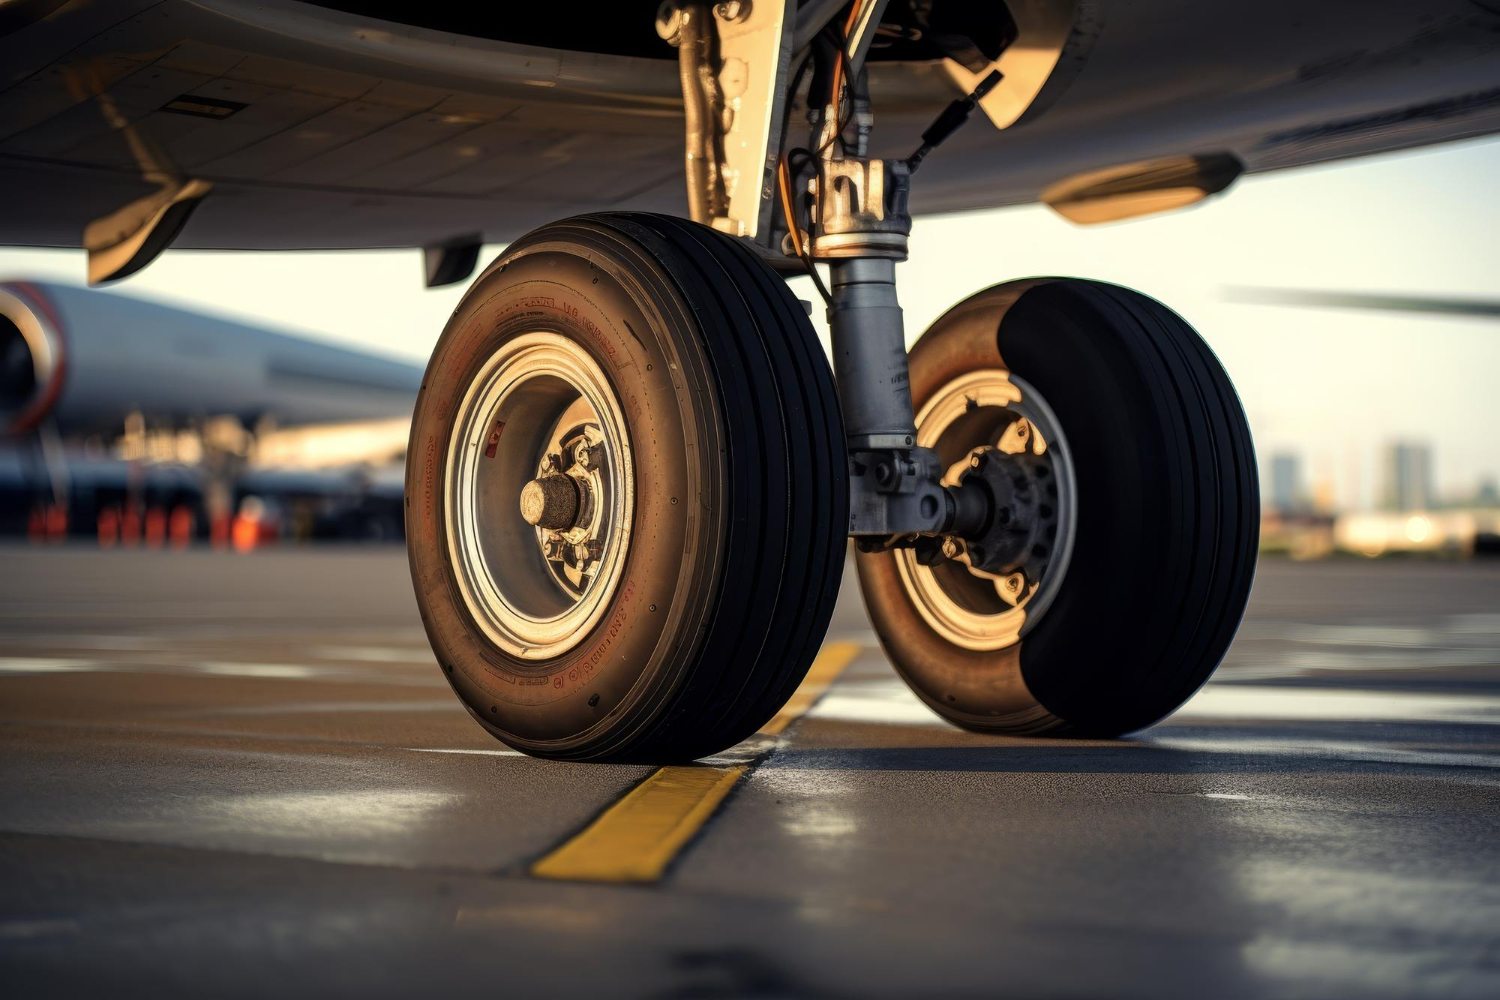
(243, 775)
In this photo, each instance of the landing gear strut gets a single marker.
(631, 477)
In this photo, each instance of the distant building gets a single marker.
(1324, 497)
(1408, 477)
(1286, 483)
(1488, 494)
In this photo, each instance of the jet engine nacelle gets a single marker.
(85, 359)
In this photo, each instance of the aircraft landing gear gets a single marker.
(630, 478)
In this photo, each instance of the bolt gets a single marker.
(732, 11)
(1022, 429)
(884, 474)
(976, 460)
(950, 548)
(582, 455)
(669, 22)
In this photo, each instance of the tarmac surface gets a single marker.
(243, 775)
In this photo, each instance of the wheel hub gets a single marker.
(540, 495)
(997, 439)
(560, 503)
(1022, 522)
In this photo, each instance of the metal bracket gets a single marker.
(734, 63)
(1043, 28)
(450, 261)
(863, 209)
(126, 240)
(897, 492)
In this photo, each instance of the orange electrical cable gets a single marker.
(784, 186)
(835, 97)
(783, 172)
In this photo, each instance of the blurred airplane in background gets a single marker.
(217, 430)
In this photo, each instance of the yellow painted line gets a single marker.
(831, 661)
(635, 839)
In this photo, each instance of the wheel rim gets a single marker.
(540, 495)
(994, 409)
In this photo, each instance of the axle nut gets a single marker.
(669, 22)
(732, 11)
(550, 502)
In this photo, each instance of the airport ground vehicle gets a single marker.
(631, 474)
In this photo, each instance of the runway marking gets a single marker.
(831, 661)
(376, 654)
(637, 838)
(45, 665)
(278, 671)
(477, 753)
(1312, 704)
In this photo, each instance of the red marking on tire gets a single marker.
(489, 449)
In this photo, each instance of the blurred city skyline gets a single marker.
(1405, 483)
(1336, 388)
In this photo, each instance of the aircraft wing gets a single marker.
(340, 125)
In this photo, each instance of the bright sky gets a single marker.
(1331, 385)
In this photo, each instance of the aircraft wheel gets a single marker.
(1131, 474)
(626, 492)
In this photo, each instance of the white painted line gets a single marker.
(223, 668)
(476, 753)
(376, 654)
(42, 665)
(1314, 704)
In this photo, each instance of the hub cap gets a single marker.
(993, 423)
(539, 495)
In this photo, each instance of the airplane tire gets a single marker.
(626, 492)
(1150, 567)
